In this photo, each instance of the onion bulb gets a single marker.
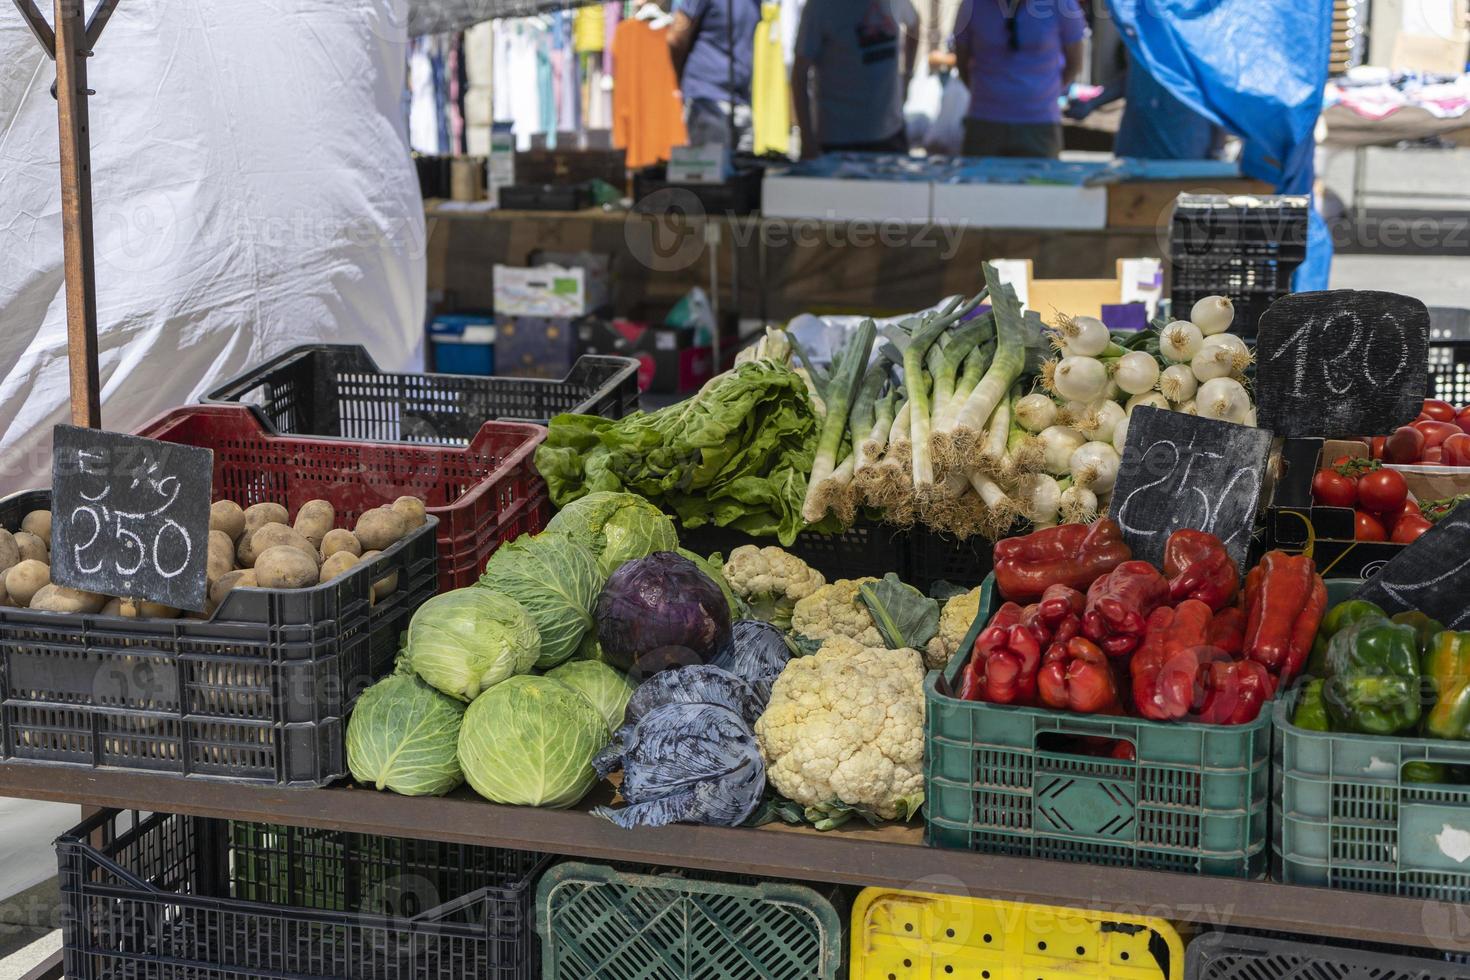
(1085, 336)
(1100, 421)
(1040, 497)
(1213, 315)
(1081, 379)
(1223, 399)
(1212, 362)
(1079, 505)
(1035, 412)
(1094, 465)
(1240, 354)
(1120, 435)
(1187, 408)
(1178, 383)
(1180, 341)
(1151, 399)
(1058, 443)
(1136, 372)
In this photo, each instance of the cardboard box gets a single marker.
(1126, 302)
(1294, 523)
(546, 291)
(536, 347)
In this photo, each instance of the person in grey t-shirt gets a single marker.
(859, 55)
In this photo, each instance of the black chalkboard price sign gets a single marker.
(1431, 575)
(130, 516)
(1342, 362)
(1183, 471)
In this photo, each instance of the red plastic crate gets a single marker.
(483, 494)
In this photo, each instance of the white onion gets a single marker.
(1213, 315)
(1120, 435)
(1040, 497)
(1079, 505)
(1212, 362)
(1187, 408)
(1113, 392)
(1035, 412)
(1136, 372)
(1094, 465)
(1085, 336)
(1180, 341)
(1103, 419)
(1081, 379)
(1152, 399)
(1240, 354)
(1178, 383)
(1224, 399)
(1059, 442)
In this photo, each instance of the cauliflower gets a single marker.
(836, 609)
(770, 581)
(955, 621)
(847, 725)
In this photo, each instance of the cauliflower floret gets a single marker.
(771, 581)
(955, 620)
(836, 609)
(847, 724)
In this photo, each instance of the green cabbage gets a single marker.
(467, 641)
(404, 735)
(530, 742)
(607, 688)
(618, 527)
(555, 579)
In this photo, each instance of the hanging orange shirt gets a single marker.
(648, 116)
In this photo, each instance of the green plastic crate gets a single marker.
(1195, 798)
(595, 922)
(1347, 818)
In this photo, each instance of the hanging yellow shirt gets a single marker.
(589, 29)
(770, 94)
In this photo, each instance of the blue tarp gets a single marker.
(1255, 67)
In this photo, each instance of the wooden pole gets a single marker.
(72, 50)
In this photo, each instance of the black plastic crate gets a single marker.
(257, 693)
(741, 194)
(338, 391)
(860, 551)
(545, 197)
(164, 896)
(935, 557)
(1237, 956)
(1449, 354)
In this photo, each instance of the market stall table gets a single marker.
(890, 856)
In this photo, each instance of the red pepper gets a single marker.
(1227, 630)
(1076, 676)
(1118, 606)
(1060, 601)
(1006, 657)
(1199, 567)
(1165, 670)
(1123, 749)
(1234, 691)
(1072, 555)
(1285, 601)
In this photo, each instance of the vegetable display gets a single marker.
(555, 578)
(404, 735)
(616, 527)
(467, 641)
(661, 611)
(1380, 496)
(770, 582)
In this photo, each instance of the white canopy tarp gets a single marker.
(252, 190)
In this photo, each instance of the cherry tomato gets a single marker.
(1410, 528)
(1456, 450)
(1331, 489)
(1406, 445)
(1436, 432)
(1375, 446)
(1436, 409)
(1368, 528)
(1462, 419)
(1383, 491)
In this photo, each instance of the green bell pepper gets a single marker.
(1447, 669)
(1424, 627)
(1426, 772)
(1311, 713)
(1372, 681)
(1338, 618)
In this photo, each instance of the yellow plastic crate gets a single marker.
(902, 935)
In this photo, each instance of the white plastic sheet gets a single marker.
(253, 191)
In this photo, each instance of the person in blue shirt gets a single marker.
(1155, 125)
(705, 37)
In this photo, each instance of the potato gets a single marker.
(4, 596)
(285, 567)
(221, 555)
(240, 578)
(258, 516)
(411, 509)
(227, 516)
(38, 522)
(139, 609)
(386, 584)
(340, 539)
(314, 520)
(26, 579)
(58, 598)
(113, 607)
(10, 555)
(380, 528)
(337, 564)
(32, 546)
(277, 535)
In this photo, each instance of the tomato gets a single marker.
(1440, 410)
(1367, 528)
(1331, 489)
(1433, 456)
(1383, 491)
(1406, 445)
(1436, 432)
(1463, 418)
(1410, 509)
(1456, 450)
(1376, 446)
(1410, 528)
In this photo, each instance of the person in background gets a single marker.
(714, 76)
(859, 56)
(1155, 125)
(1017, 58)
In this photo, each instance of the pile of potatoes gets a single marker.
(251, 547)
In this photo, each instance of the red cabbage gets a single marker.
(660, 611)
